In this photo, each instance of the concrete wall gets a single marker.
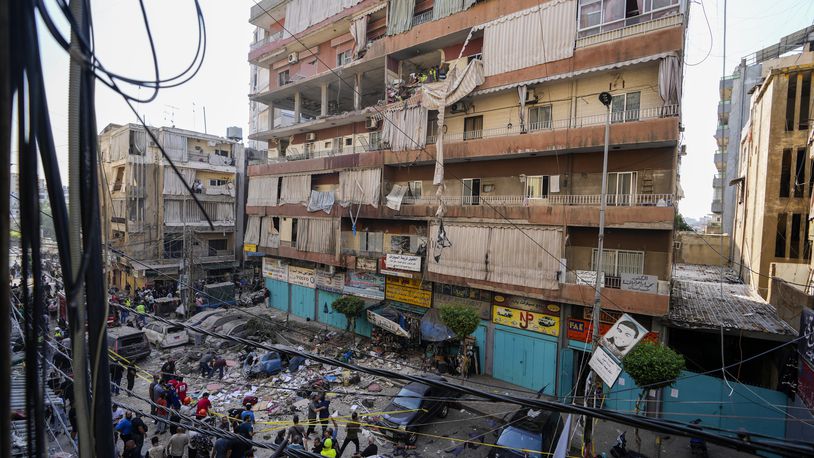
(789, 301)
(704, 249)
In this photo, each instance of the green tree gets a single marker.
(460, 319)
(652, 366)
(351, 307)
(680, 224)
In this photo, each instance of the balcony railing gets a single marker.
(420, 18)
(630, 29)
(269, 39)
(618, 200)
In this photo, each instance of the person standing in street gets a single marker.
(219, 364)
(161, 412)
(151, 394)
(351, 434)
(203, 406)
(115, 378)
(168, 370)
(313, 411)
(125, 427)
(178, 443)
(139, 432)
(131, 376)
(324, 412)
(156, 451)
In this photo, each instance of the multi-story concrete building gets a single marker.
(451, 152)
(152, 223)
(733, 115)
(776, 176)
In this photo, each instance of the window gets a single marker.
(283, 78)
(595, 16)
(785, 173)
(118, 183)
(471, 195)
(807, 241)
(222, 152)
(349, 141)
(618, 262)
(625, 107)
(218, 182)
(537, 187)
(590, 14)
(307, 149)
(399, 244)
(794, 249)
(791, 98)
(173, 248)
(780, 237)
(622, 188)
(473, 127)
(375, 139)
(800, 173)
(216, 246)
(805, 100)
(477, 56)
(343, 58)
(415, 189)
(540, 117)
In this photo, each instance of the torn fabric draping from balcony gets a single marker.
(317, 235)
(120, 146)
(175, 146)
(224, 211)
(526, 256)
(396, 196)
(444, 8)
(252, 231)
(544, 33)
(405, 128)
(269, 236)
(522, 91)
(400, 16)
(321, 200)
(172, 211)
(173, 184)
(358, 30)
(262, 192)
(670, 80)
(296, 189)
(466, 255)
(359, 187)
(301, 14)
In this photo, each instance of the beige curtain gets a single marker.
(358, 30)
(537, 35)
(359, 187)
(405, 129)
(269, 237)
(175, 146)
(224, 211)
(172, 211)
(466, 255)
(525, 256)
(522, 91)
(252, 231)
(173, 184)
(670, 80)
(400, 16)
(317, 235)
(119, 145)
(262, 191)
(295, 189)
(301, 14)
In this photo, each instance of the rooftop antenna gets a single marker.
(171, 114)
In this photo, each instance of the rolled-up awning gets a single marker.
(379, 318)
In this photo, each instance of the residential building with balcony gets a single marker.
(776, 174)
(152, 223)
(439, 155)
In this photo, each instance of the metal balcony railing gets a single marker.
(421, 18)
(624, 28)
(266, 40)
(618, 200)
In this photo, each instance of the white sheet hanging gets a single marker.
(269, 236)
(400, 16)
(358, 30)
(262, 191)
(252, 234)
(359, 187)
(321, 200)
(396, 196)
(301, 14)
(172, 182)
(405, 129)
(522, 91)
(317, 235)
(544, 33)
(296, 189)
(670, 80)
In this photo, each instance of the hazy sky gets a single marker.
(222, 84)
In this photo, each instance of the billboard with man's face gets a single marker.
(623, 336)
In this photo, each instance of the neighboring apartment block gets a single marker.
(153, 225)
(451, 152)
(776, 175)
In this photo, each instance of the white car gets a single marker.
(164, 335)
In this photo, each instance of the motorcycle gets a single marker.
(620, 449)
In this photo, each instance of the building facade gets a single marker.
(155, 230)
(438, 154)
(775, 175)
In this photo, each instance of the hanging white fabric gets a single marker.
(301, 14)
(670, 80)
(396, 196)
(465, 253)
(400, 16)
(296, 189)
(444, 8)
(554, 183)
(175, 146)
(522, 91)
(172, 182)
(358, 30)
(405, 129)
(269, 236)
(172, 211)
(317, 235)
(359, 187)
(321, 200)
(262, 191)
(544, 33)
(525, 256)
(252, 230)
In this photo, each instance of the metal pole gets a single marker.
(75, 232)
(606, 99)
(5, 211)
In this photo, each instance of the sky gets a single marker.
(222, 85)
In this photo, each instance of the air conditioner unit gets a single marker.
(458, 107)
(293, 58)
(531, 96)
(310, 137)
(372, 123)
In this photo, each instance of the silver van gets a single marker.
(128, 342)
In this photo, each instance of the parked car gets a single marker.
(128, 342)
(415, 404)
(272, 363)
(212, 323)
(525, 432)
(164, 335)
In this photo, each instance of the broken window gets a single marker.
(537, 186)
(791, 98)
(794, 249)
(471, 194)
(800, 173)
(473, 127)
(416, 189)
(217, 247)
(540, 117)
(785, 173)
(343, 58)
(805, 100)
(780, 237)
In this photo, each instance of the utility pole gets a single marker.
(606, 100)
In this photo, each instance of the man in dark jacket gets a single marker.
(115, 378)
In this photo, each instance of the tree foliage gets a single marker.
(351, 307)
(681, 224)
(653, 365)
(460, 319)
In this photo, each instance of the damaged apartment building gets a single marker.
(153, 225)
(450, 151)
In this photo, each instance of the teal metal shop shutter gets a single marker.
(302, 301)
(278, 294)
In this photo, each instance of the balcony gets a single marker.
(716, 206)
(628, 200)
(717, 181)
(266, 40)
(720, 159)
(619, 29)
(725, 87)
(724, 106)
(421, 18)
(722, 135)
